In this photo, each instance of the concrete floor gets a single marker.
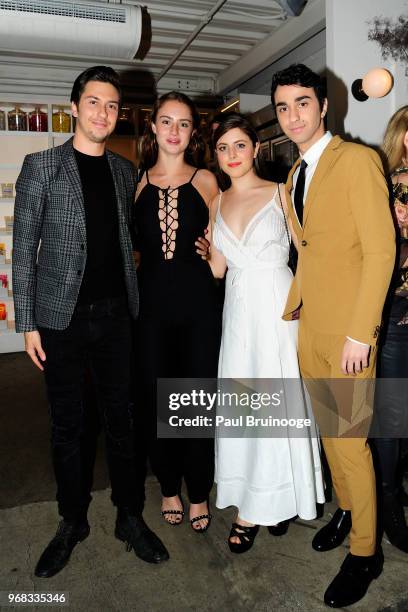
(277, 574)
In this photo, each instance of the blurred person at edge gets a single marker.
(391, 397)
(179, 326)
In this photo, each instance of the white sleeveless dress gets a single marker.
(268, 479)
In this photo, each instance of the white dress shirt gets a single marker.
(312, 157)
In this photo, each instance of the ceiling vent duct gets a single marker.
(76, 27)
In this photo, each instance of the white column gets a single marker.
(350, 55)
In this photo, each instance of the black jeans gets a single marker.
(391, 406)
(99, 337)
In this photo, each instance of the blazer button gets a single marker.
(79, 272)
(82, 247)
(303, 243)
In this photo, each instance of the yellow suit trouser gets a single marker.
(343, 410)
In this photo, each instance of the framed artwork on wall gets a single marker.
(284, 152)
(265, 150)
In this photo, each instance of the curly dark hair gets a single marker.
(299, 74)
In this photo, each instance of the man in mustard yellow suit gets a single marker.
(339, 215)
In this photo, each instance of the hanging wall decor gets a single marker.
(392, 36)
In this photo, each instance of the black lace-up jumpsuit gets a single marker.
(179, 326)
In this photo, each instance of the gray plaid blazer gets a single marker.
(49, 237)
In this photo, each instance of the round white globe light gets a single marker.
(377, 83)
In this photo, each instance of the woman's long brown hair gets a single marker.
(194, 154)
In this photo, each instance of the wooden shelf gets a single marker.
(22, 133)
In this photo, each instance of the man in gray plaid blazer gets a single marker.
(75, 293)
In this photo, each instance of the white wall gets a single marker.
(350, 55)
(312, 53)
(250, 103)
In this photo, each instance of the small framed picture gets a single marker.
(284, 151)
(275, 130)
(265, 150)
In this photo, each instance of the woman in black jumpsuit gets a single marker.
(179, 326)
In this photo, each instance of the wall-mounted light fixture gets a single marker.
(231, 105)
(377, 83)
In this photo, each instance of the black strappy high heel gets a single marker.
(180, 513)
(246, 537)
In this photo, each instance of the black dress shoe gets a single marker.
(280, 529)
(403, 497)
(137, 535)
(351, 583)
(394, 522)
(57, 554)
(333, 534)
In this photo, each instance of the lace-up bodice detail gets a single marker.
(168, 217)
(168, 221)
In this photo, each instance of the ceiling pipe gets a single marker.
(205, 21)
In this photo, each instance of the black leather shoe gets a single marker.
(351, 583)
(403, 497)
(333, 534)
(394, 522)
(137, 535)
(280, 529)
(57, 554)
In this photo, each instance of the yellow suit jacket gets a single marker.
(346, 246)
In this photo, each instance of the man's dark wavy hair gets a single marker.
(299, 74)
(104, 74)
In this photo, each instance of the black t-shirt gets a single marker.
(103, 276)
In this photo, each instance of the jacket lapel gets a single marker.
(289, 189)
(120, 189)
(71, 170)
(326, 161)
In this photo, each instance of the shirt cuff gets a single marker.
(357, 342)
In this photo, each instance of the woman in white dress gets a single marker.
(268, 479)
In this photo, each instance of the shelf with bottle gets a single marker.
(7, 326)
(32, 118)
(10, 341)
(7, 230)
(8, 297)
(5, 254)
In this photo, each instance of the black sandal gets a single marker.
(199, 518)
(164, 513)
(246, 537)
